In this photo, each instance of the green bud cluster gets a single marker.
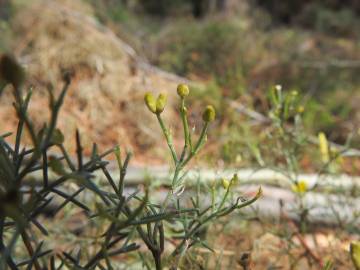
(227, 183)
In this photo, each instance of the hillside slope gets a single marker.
(105, 100)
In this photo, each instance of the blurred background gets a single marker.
(230, 51)
(233, 54)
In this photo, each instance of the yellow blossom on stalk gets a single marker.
(155, 105)
(209, 114)
(234, 180)
(324, 147)
(225, 183)
(161, 102)
(300, 187)
(150, 102)
(300, 109)
(355, 253)
(183, 90)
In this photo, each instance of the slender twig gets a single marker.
(168, 138)
(30, 249)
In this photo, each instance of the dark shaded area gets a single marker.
(199, 8)
(5, 9)
(288, 11)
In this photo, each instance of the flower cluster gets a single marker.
(157, 105)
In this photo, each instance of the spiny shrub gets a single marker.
(116, 221)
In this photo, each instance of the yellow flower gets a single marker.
(209, 114)
(324, 147)
(300, 187)
(300, 109)
(160, 103)
(183, 90)
(150, 102)
(234, 180)
(225, 183)
(355, 254)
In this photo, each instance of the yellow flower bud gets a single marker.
(300, 109)
(11, 71)
(355, 253)
(209, 114)
(259, 193)
(324, 147)
(150, 102)
(300, 187)
(234, 179)
(161, 102)
(183, 90)
(225, 183)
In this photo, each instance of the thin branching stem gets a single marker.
(168, 137)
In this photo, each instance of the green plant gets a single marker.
(115, 220)
(285, 145)
(328, 266)
(212, 48)
(22, 201)
(192, 223)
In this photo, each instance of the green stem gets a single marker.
(30, 249)
(168, 138)
(5, 251)
(187, 136)
(181, 163)
(198, 144)
(224, 198)
(157, 258)
(169, 193)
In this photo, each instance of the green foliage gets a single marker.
(6, 35)
(211, 92)
(341, 22)
(328, 266)
(313, 14)
(249, 50)
(114, 11)
(287, 141)
(204, 49)
(114, 220)
(237, 56)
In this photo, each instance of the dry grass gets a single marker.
(106, 97)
